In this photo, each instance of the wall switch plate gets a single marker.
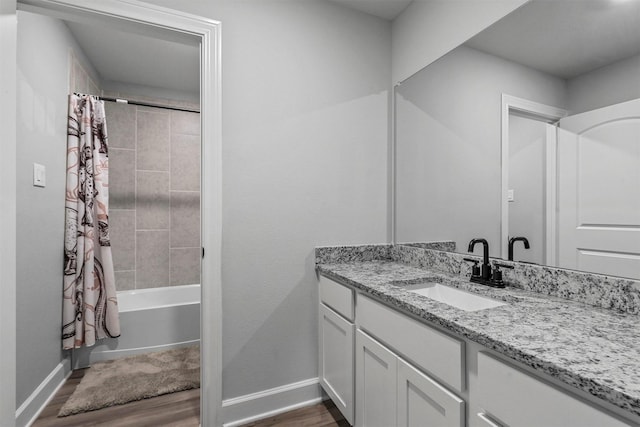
(39, 175)
(510, 197)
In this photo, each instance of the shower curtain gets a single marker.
(90, 307)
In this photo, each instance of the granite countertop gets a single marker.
(592, 349)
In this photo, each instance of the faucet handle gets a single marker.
(496, 276)
(499, 264)
(475, 269)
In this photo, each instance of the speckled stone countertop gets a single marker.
(592, 349)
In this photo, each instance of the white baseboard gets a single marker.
(29, 411)
(268, 403)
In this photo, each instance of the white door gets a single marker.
(336, 360)
(599, 190)
(376, 373)
(424, 402)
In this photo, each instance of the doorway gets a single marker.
(528, 202)
(159, 22)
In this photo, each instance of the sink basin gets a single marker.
(455, 297)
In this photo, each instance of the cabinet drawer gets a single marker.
(438, 354)
(519, 399)
(337, 296)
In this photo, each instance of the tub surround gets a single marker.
(154, 193)
(590, 348)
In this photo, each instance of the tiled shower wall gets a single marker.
(154, 192)
(80, 81)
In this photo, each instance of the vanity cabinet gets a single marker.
(392, 392)
(375, 385)
(336, 343)
(508, 396)
(383, 368)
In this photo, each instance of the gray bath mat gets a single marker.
(116, 382)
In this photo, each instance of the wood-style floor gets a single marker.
(324, 414)
(177, 409)
(180, 409)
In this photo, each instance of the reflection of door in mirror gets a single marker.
(529, 178)
(527, 190)
(599, 190)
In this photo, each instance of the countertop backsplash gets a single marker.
(608, 292)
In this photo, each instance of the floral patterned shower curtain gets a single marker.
(90, 307)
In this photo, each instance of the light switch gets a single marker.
(510, 197)
(39, 175)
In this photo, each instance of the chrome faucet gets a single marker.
(517, 239)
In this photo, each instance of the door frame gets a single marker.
(543, 113)
(8, 170)
(148, 19)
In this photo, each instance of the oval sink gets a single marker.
(454, 297)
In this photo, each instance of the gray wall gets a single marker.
(305, 93)
(304, 155)
(154, 193)
(612, 84)
(448, 145)
(43, 83)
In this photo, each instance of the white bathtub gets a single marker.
(150, 320)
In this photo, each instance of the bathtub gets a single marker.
(150, 320)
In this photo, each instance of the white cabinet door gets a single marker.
(598, 197)
(336, 360)
(486, 421)
(520, 400)
(424, 402)
(376, 373)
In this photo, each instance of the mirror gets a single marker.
(524, 111)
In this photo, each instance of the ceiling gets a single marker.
(138, 59)
(386, 9)
(565, 38)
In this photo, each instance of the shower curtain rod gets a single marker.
(146, 104)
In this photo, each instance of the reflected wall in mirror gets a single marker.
(529, 181)
(526, 190)
(458, 154)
